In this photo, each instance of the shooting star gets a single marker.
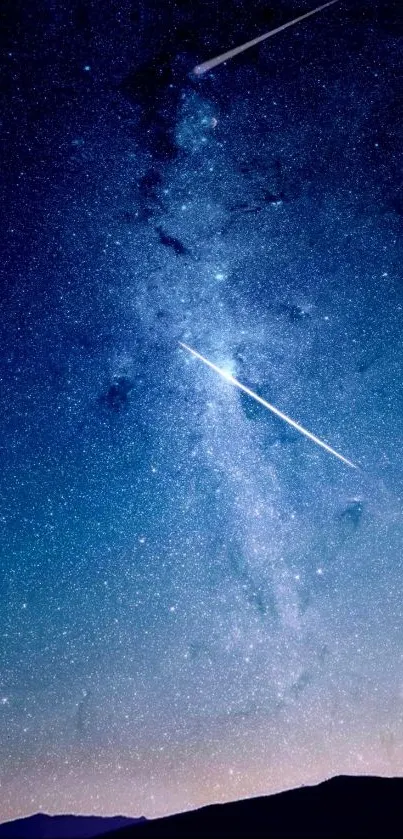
(233, 381)
(225, 56)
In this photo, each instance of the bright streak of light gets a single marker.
(225, 56)
(232, 380)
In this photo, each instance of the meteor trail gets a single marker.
(233, 381)
(214, 62)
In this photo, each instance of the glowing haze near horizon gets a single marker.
(197, 603)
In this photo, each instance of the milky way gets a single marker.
(197, 603)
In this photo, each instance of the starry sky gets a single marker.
(197, 603)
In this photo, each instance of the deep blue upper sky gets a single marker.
(198, 603)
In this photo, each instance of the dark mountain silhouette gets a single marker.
(348, 807)
(341, 807)
(42, 826)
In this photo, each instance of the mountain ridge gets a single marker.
(66, 826)
(342, 806)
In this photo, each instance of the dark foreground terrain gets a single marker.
(41, 826)
(340, 807)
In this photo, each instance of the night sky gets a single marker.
(197, 603)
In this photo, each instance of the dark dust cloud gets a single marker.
(198, 603)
